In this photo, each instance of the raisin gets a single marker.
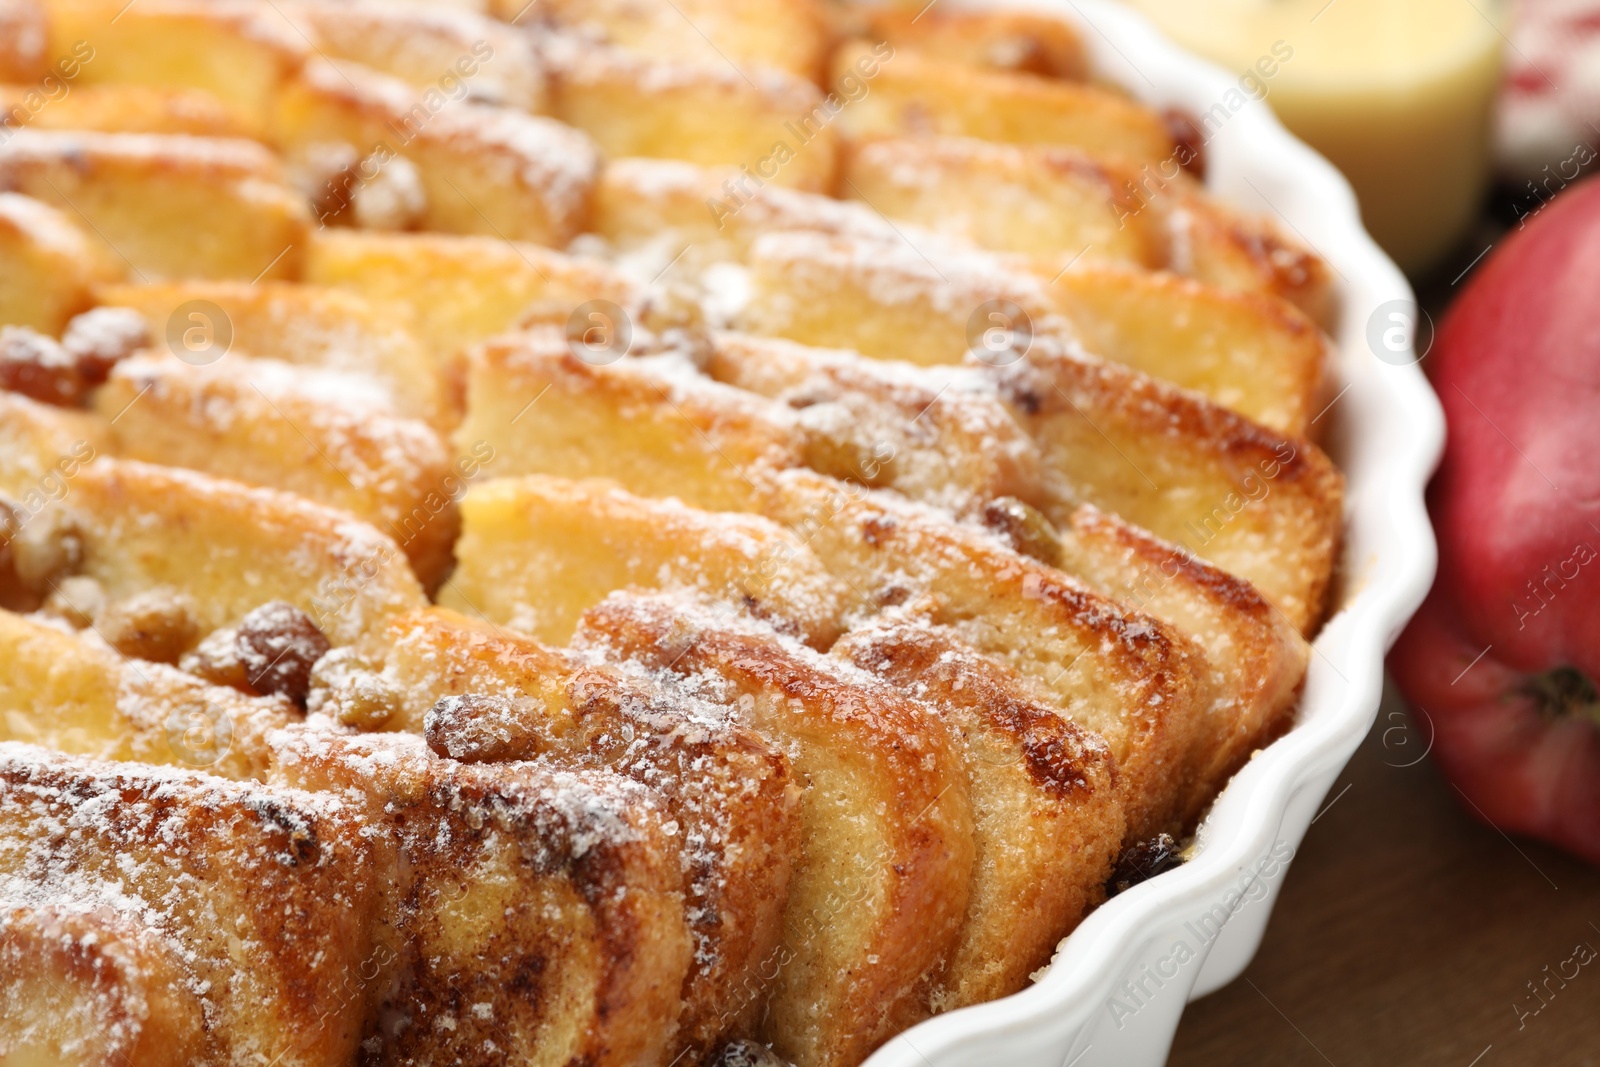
(14, 596)
(479, 728)
(746, 1054)
(1189, 140)
(354, 691)
(278, 645)
(1025, 527)
(325, 172)
(216, 660)
(390, 197)
(1142, 862)
(154, 625)
(98, 340)
(877, 528)
(835, 454)
(38, 367)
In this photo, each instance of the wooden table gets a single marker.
(1406, 933)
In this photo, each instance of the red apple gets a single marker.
(1503, 655)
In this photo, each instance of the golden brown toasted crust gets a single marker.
(886, 831)
(1240, 253)
(1260, 505)
(82, 988)
(1047, 813)
(532, 913)
(1247, 351)
(211, 868)
(731, 793)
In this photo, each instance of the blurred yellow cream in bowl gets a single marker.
(1396, 93)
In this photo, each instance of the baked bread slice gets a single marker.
(45, 445)
(897, 301)
(1015, 41)
(1029, 199)
(919, 94)
(164, 205)
(238, 53)
(199, 873)
(538, 551)
(1047, 816)
(429, 46)
(48, 264)
(483, 695)
(939, 437)
(456, 290)
(313, 326)
(84, 987)
(654, 426)
(267, 423)
(1064, 205)
(125, 108)
(526, 912)
(634, 104)
(71, 693)
(466, 169)
(663, 208)
(786, 35)
(136, 530)
(1227, 487)
(1136, 681)
(880, 889)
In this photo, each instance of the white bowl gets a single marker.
(1114, 993)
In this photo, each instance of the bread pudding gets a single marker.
(644, 532)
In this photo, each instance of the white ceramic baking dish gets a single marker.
(1114, 993)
